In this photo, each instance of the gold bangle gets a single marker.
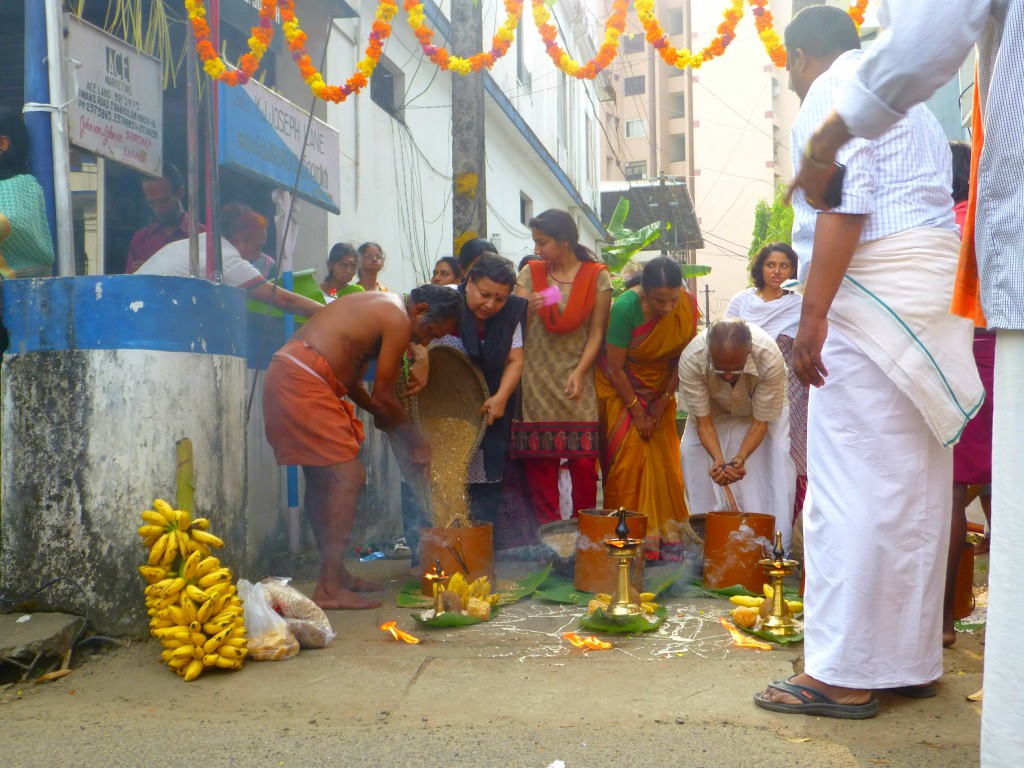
(811, 160)
(635, 398)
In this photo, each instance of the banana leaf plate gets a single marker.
(599, 622)
(450, 619)
(410, 595)
(560, 589)
(771, 637)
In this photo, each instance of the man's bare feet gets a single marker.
(835, 693)
(356, 584)
(343, 600)
(948, 637)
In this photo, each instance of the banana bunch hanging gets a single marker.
(192, 603)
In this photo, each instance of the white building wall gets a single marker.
(733, 157)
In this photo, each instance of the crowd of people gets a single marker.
(830, 393)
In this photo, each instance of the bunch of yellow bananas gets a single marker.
(193, 606)
(480, 589)
(745, 601)
(644, 599)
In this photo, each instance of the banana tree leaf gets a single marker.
(618, 223)
(409, 596)
(599, 622)
(724, 592)
(524, 587)
(559, 589)
(694, 270)
(771, 637)
(451, 619)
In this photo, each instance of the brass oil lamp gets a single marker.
(779, 620)
(625, 550)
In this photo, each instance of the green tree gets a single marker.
(773, 222)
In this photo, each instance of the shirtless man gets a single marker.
(308, 423)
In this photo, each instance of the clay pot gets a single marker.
(963, 598)
(474, 543)
(596, 570)
(733, 545)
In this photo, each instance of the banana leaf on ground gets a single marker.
(599, 622)
(450, 619)
(410, 595)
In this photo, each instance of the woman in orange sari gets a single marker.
(650, 324)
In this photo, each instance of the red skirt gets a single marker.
(972, 456)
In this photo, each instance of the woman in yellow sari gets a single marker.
(650, 324)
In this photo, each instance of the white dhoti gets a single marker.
(876, 529)
(1002, 717)
(770, 483)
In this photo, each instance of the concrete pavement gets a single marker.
(509, 692)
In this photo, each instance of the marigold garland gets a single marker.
(683, 58)
(460, 65)
(381, 30)
(250, 61)
(770, 38)
(606, 54)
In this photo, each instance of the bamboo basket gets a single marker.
(445, 411)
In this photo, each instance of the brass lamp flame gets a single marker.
(625, 550)
(776, 568)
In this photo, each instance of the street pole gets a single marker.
(665, 219)
(64, 242)
(707, 304)
(192, 143)
(469, 209)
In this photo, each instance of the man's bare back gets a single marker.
(351, 332)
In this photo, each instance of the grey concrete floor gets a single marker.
(510, 692)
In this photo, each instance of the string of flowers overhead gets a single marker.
(606, 54)
(682, 58)
(503, 38)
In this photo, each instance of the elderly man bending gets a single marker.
(732, 381)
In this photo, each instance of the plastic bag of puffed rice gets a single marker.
(269, 636)
(304, 618)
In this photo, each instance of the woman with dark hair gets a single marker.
(447, 271)
(777, 312)
(491, 335)
(651, 323)
(371, 262)
(342, 265)
(569, 295)
(472, 250)
(26, 249)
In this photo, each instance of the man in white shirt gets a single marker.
(732, 383)
(921, 50)
(172, 261)
(878, 274)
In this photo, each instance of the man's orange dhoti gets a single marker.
(306, 420)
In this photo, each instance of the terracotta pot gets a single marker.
(474, 543)
(733, 544)
(963, 598)
(596, 570)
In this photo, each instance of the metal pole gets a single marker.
(213, 249)
(469, 208)
(192, 143)
(64, 242)
(37, 91)
(665, 220)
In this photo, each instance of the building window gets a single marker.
(387, 88)
(676, 105)
(677, 147)
(633, 43)
(636, 170)
(634, 86)
(674, 21)
(525, 209)
(589, 135)
(635, 129)
(522, 73)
